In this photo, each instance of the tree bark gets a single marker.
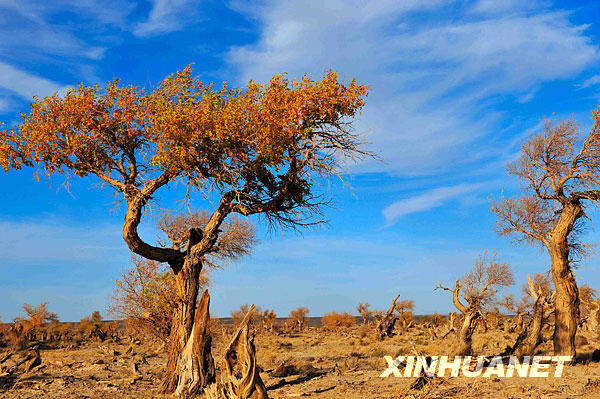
(241, 379)
(530, 337)
(385, 325)
(465, 335)
(566, 309)
(196, 364)
(183, 320)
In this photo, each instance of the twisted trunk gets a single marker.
(183, 320)
(531, 336)
(465, 335)
(566, 309)
(196, 364)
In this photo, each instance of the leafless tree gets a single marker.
(365, 313)
(477, 288)
(560, 170)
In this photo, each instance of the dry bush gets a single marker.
(268, 319)
(238, 315)
(32, 326)
(436, 319)
(334, 320)
(92, 327)
(365, 313)
(297, 319)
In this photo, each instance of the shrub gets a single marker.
(335, 320)
(297, 318)
(238, 315)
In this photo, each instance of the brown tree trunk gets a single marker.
(186, 281)
(241, 377)
(530, 336)
(196, 364)
(465, 335)
(566, 310)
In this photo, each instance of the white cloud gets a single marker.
(593, 81)
(425, 201)
(432, 80)
(25, 84)
(167, 16)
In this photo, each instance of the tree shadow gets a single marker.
(297, 380)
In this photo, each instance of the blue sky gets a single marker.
(455, 88)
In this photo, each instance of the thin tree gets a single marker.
(261, 149)
(477, 288)
(365, 313)
(559, 169)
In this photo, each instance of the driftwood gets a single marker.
(386, 323)
(196, 364)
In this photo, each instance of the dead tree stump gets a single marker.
(385, 325)
(242, 379)
(196, 364)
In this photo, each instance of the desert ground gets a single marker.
(316, 362)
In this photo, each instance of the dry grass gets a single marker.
(315, 362)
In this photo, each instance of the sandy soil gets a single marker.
(314, 363)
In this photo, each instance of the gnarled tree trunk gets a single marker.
(566, 309)
(531, 337)
(465, 335)
(385, 325)
(242, 379)
(183, 320)
(196, 364)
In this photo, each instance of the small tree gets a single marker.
(238, 315)
(297, 318)
(253, 150)
(365, 313)
(560, 169)
(405, 309)
(589, 309)
(92, 327)
(36, 318)
(268, 318)
(477, 288)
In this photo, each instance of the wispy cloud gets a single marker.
(593, 81)
(167, 16)
(432, 79)
(425, 201)
(26, 84)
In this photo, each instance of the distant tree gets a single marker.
(255, 316)
(36, 318)
(589, 309)
(560, 170)
(477, 288)
(297, 318)
(260, 149)
(268, 318)
(365, 313)
(91, 326)
(405, 308)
